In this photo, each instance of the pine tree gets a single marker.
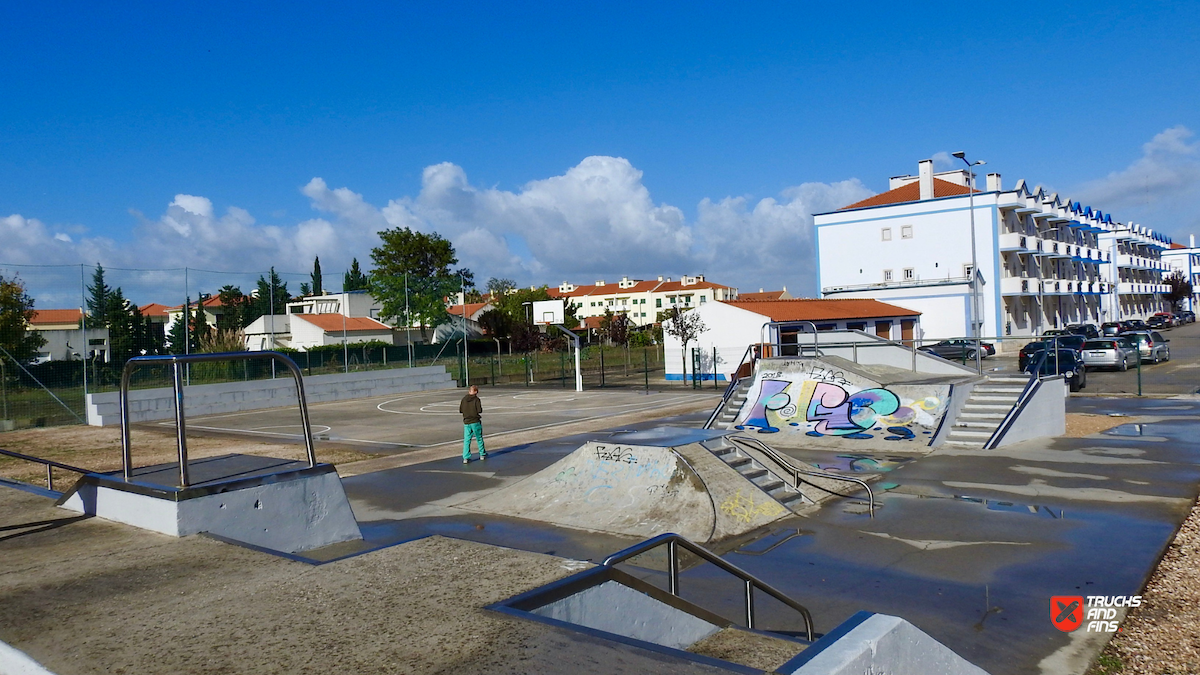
(315, 288)
(233, 308)
(180, 330)
(119, 318)
(97, 305)
(201, 329)
(354, 280)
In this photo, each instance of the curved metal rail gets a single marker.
(778, 458)
(50, 466)
(177, 361)
(674, 541)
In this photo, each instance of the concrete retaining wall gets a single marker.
(878, 643)
(211, 399)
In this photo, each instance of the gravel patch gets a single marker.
(1086, 424)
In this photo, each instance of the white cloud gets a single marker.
(1161, 188)
(596, 220)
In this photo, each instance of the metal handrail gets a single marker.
(674, 541)
(50, 465)
(733, 383)
(778, 458)
(177, 361)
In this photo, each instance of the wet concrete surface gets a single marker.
(969, 545)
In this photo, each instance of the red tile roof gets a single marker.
(1177, 245)
(154, 309)
(641, 287)
(332, 323)
(472, 308)
(44, 317)
(821, 310)
(211, 301)
(910, 193)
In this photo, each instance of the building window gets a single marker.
(906, 231)
(909, 274)
(702, 299)
(671, 299)
(658, 302)
(856, 325)
(886, 233)
(967, 271)
(887, 275)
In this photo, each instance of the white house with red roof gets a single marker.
(1043, 262)
(732, 326)
(65, 340)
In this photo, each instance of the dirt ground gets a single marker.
(1085, 424)
(1163, 635)
(99, 449)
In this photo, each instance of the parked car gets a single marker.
(1063, 362)
(1087, 330)
(1188, 316)
(1111, 328)
(1029, 353)
(959, 350)
(1151, 345)
(1115, 353)
(1067, 341)
(1161, 320)
(1136, 324)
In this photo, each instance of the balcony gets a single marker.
(1018, 286)
(1141, 288)
(1014, 241)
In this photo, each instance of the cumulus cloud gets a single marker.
(1161, 188)
(595, 220)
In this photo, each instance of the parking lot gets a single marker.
(1180, 375)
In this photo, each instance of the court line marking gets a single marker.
(520, 411)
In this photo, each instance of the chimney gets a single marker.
(1192, 241)
(993, 182)
(925, 178)
(660, 277)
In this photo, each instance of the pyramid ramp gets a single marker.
(641, 488)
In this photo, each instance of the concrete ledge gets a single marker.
(15, 662)
(147, 405)
(878, 643)
(300, 512)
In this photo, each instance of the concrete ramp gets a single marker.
(641, 488)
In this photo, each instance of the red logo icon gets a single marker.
(1066, 612)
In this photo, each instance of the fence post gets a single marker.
(714, 368)
(562, 368)
(646, 366)
(601, 365)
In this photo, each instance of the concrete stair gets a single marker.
(733, 405)
(756, 473)
(984, 410)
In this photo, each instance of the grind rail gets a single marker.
(177, 361)
(796, 471)
(674, 542)
(50, 464)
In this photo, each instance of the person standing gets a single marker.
(472, 412)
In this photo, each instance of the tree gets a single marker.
(427, 260)
(201, 329)
(234, 308)
(97, 304)
(271, 289)
(122, 319)
(316, 288)
(355, 280)
(178, 338)
(615, 327)
(1181, 289)
(16, 311)
(498, 287)
(496, 323)
(685, 326)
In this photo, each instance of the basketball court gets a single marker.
(425, 419)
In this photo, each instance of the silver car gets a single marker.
(1150, 344)
(1114, 353)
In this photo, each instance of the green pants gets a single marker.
(473, 431)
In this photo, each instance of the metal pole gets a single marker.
(749, 604)
(646, 367)
(1139, 358)
(466, 363)
(407, 322)
(345, 347)
(187, 321)
(180, 428)
(4, 387)
(714, 370)
(83, 331)
(672, 568)
(975, 318)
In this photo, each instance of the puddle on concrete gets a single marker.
(863, 463)
(1139, 430)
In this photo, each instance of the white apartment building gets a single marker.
(1186, 261)
(641, 300)
(1044, 262)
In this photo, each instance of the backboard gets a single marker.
(548, 312)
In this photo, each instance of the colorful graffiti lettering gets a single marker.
(827, 408)
(744, 509)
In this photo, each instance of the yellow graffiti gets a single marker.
(745, 510)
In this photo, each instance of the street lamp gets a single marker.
(975, 318)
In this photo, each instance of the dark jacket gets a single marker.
(471, 409)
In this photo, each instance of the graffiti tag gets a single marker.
(744, 509)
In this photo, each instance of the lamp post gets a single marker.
(975, 318)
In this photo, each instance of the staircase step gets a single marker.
(968, 424)
(992, 389)
(985, 407)
(737, 461)
(965, 444)
(993, 398)
(769, 483)
(965, 435)
(1006, 380)
(751, 473)
(978, 416)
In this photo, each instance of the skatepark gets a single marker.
(899, 536)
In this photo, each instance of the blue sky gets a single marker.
(234, 136)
